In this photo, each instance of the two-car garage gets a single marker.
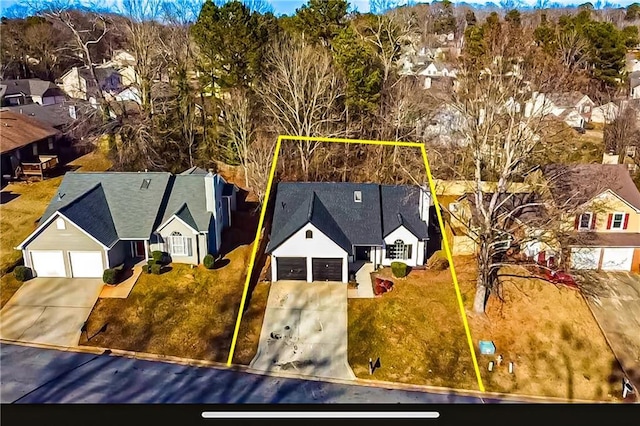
(322, 269)
(78, 264)
(603, 258)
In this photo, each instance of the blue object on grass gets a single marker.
(487, 347)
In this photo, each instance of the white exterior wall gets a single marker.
(407, 237)
(320, 246)
(605, 113)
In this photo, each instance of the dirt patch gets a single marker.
(550, 335)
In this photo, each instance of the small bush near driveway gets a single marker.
(399, 269)
(209, 261)
(110, 276)
(22, 273)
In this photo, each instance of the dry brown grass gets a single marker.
(550, 335)
(184, 312)
(8, 286)
(188, 312)
(249, 333)
(416, 330)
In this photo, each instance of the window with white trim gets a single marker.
(584, 222)
(60, 224)
(399, 250)
(178, 245)
(617, 221)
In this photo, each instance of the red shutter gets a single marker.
(577, 221)
(593, 221)
(609, 221)
(626, 221)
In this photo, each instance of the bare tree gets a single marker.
(239, 127)
(622, 132)
(503, 126)
(301, 92)
(259, 161)
(85, 33)
(143, 36)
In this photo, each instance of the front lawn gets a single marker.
(416, 330)
(551, 336)
(187, 312)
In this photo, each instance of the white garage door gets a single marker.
(48, 263)
(86, 264)
(585, 258)
(617, 259)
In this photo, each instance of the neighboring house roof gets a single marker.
(55, 115)
(31, 87)
(102, 73)
(579, 183)
(91, 213)
(566, 99)
(134, 209)
(195, 170)
(187, 201)
(525, 207)
(18, 130)
(330, 206)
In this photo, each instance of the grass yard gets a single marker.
(8, 286)
(552, 338)
(416, 330)
(184, 312)
(249, 334)
(22, 205)
(187, 312)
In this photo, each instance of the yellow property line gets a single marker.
(447, 250)
(438, 212)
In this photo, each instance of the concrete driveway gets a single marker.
(49, 310)
(614, 298)
(305, 330)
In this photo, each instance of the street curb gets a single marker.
(360, 382)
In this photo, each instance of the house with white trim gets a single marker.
(325, 231)
(98, 221)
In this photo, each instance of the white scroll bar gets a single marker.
(320, 415)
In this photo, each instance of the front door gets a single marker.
(362, 253)
(138, 250)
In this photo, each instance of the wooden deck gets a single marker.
(41, 168)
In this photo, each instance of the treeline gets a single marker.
(234, 77)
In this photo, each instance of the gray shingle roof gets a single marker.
(331, 208)
(195, 170)
(53, 115)
(31, 87)
(134, 210)
(400, 207)
(91, 212)
(187, 200)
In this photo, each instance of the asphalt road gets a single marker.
(33, 375)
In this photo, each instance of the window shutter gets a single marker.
(626, 221)
(187, 242)
(577, 222)
(593, 221)
(409, 251)
(609, 221)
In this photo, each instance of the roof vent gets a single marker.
(145, 183)
(60, 195)
(357, 196)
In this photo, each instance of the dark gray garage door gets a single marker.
(292, 268)
(327, 269)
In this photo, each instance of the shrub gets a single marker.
(110, 276)
(22, 273)
(156, 268)
(589, 126)
(157, 256)
(209, 261)
(438, 261)
(399, 269)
